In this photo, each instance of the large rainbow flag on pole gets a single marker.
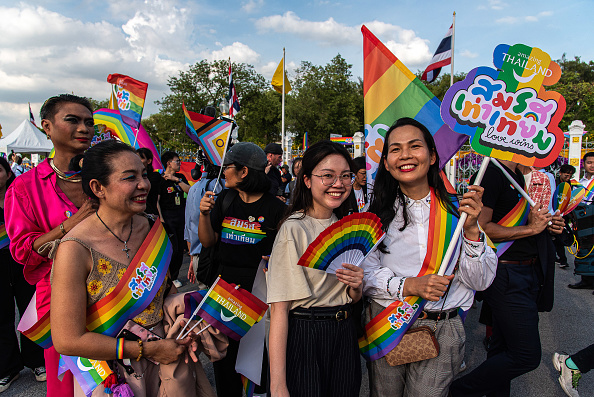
(391, 91)
(386, 329)
(210, 133)
(130, 94)
(231, 309)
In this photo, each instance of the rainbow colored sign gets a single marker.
(507, 111)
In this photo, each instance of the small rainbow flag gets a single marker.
(561, 197)
(343, 140)
(130, 94)
(516, 217)
(231, 309)
(135, 137)
(208, 132)
(34, 328)
(386, 329)
(4, 240)
(578, 193)
(89, 373)
(248, 386)
(306, 144)
(589, 191)
(347, 241)
(192, 301)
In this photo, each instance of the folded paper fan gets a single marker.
(349, 240)
(578, 192)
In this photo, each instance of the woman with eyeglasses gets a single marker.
(312, 342)
(408, 195)
(243, 223)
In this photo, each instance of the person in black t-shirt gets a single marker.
(172, 207)
(523, 285)
(274, 156)
(146, 156)
(245, 233)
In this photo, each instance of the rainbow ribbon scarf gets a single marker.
(516, 217)
(4, 240)
(385, 330)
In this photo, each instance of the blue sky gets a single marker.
(52, 47)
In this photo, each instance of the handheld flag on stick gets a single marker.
(233, 98)
(305, 143)
(210, 133)
(441, 58)
(130, 94)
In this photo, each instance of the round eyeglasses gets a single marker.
(348, 178)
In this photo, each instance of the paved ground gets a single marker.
(569, 327)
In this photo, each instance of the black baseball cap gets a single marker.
(273, 148)
(247, 154)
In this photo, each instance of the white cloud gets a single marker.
(469, 54)
(238, 52)
(510, 20)
(251, 5)
(411, 49)
(269, 68)
(493, 5)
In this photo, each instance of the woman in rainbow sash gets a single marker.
(400, 276)
(111, 268)
(313, 343)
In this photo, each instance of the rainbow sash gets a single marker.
(516, 217)
(385, 330)
(4, 240)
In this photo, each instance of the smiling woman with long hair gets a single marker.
(408, 195)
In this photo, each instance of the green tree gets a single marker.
(97, 104)
(577, 87)
(325, 100)
(204, 84)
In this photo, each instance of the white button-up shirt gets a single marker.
(407, 250)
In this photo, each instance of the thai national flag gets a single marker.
(442, 57)
(233, 99)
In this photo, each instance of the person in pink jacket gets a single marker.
(42, 205)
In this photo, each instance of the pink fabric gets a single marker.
(33, 206)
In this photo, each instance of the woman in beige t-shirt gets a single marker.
(313, 345)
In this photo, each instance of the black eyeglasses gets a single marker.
(226, 167)
(348, 178)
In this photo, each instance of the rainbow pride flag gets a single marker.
(231, 309)
(210, 133)
(391, 92)
(589, 191)
(305, 143)
(343, 140)
(192, 301)
(113, 123)
(89, 373)
(4, 240)
(34, 328)
(386, 329)
(516, 217)
(130, 94)
(248, 386)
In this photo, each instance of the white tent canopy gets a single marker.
(26, 139)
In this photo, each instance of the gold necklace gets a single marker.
(71, 176)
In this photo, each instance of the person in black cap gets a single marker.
(274, 156)
(243, 222)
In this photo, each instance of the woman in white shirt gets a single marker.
(408, 177)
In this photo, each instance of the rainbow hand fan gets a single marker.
(349, 240)
(561, 197)
(578, 192)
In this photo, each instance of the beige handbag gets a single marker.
(417, 344)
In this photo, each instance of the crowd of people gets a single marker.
(79, 221)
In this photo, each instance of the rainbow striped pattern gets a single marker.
(589, 191)
(248, 386)
(208, 132)
(305, 143)
(130, 94)
(391, 92)
(89, 373)
(135, 137)
(39, 332)
(347, 241)
(4, 240)
(343, 140)
(130, 297)
(237, 231)
(386, 330)
(231, 309)
(192, 300)
(568, 196)
(516, 217)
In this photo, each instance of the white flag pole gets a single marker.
(453, 41)
(198, 308)
(460, 225)
(283, 109)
